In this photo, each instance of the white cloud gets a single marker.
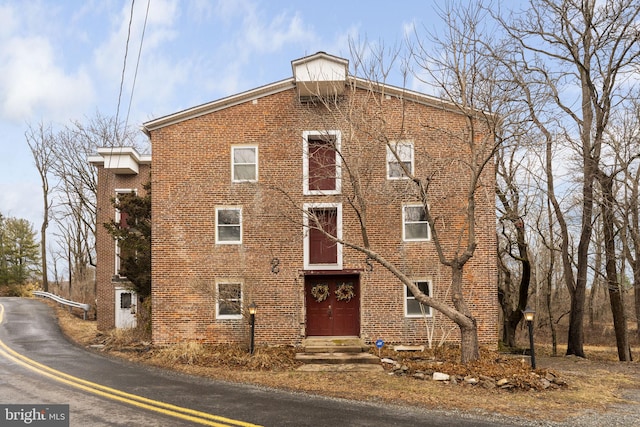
(8, 21)
(270, 36)
(203, 10)
(31, 81)
(251, 33)
(109, 56)
(161, 69)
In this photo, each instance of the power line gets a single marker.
(124, 67)
(135, 74)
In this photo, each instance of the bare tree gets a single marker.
(513, 298)
(75, 207)
(590, 46)
(624, 142)
(41, 143)
(462, 65)
(372, 123)
(631, 234)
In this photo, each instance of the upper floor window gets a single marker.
(399, 155)
(244, 163)
(321, 162)
(413, 307)
(228, 300)
(122, 219)
(321, 221)
(229, 225)
(415, 226)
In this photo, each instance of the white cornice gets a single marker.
(120, 160)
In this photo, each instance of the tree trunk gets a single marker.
(469, 348)
(577, 291)
(552, 325)
(575, 338)
(504, 299)
(595, 285)
(509, 333)
(513, 315)
(636, 291)
(43, 249)
(620, 324)
(615, 291)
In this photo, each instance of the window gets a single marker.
(228, 300)
(413, 308)
(403, 156)
(125, 300)
(121, 218)
(229, 225)
(414, 223)
(320, 251)
(244, 163)
(321, 162)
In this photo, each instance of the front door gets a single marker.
(333, 305)
(125, 308)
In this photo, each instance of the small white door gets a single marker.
(126, 305)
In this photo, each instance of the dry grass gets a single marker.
(593, 384)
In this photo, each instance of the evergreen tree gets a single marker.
(19, 252)
(133, 233)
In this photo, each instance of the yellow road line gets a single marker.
(118, 395)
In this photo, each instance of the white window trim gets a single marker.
(228, 242)
(305, 162)
(404, 237)
(118, 191)
(391, 157)
(305, 221)
(229, 316)
(406, 297)
(233, 164)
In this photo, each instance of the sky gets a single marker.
(62, 61)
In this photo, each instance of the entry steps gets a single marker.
(337, 354)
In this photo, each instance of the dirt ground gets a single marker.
(598, 385)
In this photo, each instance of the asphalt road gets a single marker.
(39, 366)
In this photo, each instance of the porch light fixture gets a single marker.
(253, 308)
(529, 315)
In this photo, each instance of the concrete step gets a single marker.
(344, 367)
(337, 354)
(335, 358)
(333, 349)
(334, 345)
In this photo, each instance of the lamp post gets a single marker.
(252, 313)
(529, 314)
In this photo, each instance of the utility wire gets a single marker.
(124, 67)
(135, 74)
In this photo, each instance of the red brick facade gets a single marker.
(111, 180)
(192, 176)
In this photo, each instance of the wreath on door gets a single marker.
(345, 292)
(320, 292)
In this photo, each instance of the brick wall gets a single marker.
(191, 176)
(108, 182)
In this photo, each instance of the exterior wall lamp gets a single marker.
(253, 308)
(529, 315)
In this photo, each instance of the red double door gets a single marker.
(333, 305)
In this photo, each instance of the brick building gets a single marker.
(248, 191)
(120, 170)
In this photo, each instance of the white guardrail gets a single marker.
(85, 307)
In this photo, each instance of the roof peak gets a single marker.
(320, 74)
